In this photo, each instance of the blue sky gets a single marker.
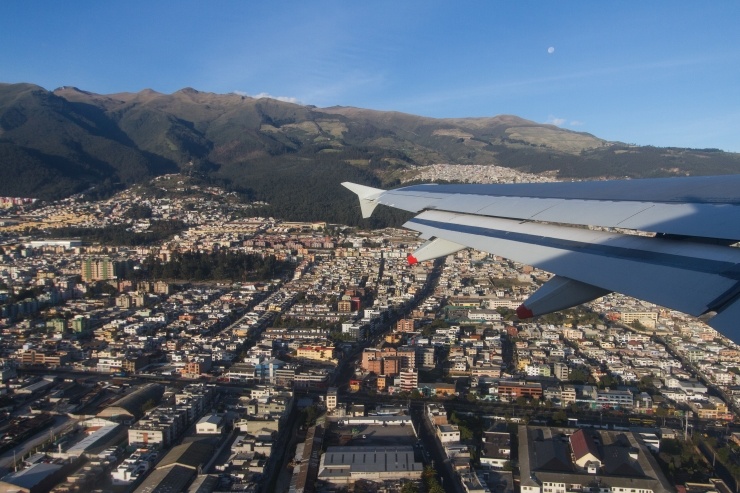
(664, 73)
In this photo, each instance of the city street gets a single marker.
(441, 465)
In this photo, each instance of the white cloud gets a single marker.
(264, 95)
(556, 121)
(563, 122)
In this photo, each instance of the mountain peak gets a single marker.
(70, 89)
(58, 143)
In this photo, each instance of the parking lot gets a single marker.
(378, 435)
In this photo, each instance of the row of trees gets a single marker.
(725, 454)
(159, 231)
(216, 266)
(682, 461)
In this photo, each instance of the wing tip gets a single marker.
(368, 196)
(524, 313)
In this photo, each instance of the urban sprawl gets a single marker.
(339, 368)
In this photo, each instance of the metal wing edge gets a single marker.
(693, 278)
(709, 285)
(696, 220)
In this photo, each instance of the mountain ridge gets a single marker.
(57, 143)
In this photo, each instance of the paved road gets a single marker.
(449, 479)
(282, 484)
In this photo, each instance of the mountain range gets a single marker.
(57, 143)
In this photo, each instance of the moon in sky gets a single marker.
(551, 50)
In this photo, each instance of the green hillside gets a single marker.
(53, 144)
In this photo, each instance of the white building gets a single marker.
(210, 424)
(448, 433)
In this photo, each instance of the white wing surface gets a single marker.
(685, 263)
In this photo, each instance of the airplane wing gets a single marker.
(680, 258)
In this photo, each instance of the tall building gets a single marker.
(344, 306)
(428, 359)
(124, 301)
(392, 366)
(561, 371)
(407, 355)
(98, 269)
(568, 395)
(405, 325)
(57, 325)
(409, 379)
(331, 399)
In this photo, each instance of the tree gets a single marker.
(646, 385)
(579, 375)
(522, 401)
(465, 433)
(139, 211)
(409, 487)
(609, 381)
(429, 478)
(106, 288)
(559, 418)
(310, 414)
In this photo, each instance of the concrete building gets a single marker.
(496, 449)
(448, 433)
(568, 395)
(603, 461)
(210, 424)
(319, 353)
(560, 371)
(345, 465)
(98, 269)
(331, 399)
(511, 390)
(648, 319)
(131, 406)
(408, 380)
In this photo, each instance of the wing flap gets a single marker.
(435, 248)
(701, 219)
(557, 294)
(688, 266)
(687, 277)
(727, 321)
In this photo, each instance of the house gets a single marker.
(496, 449)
